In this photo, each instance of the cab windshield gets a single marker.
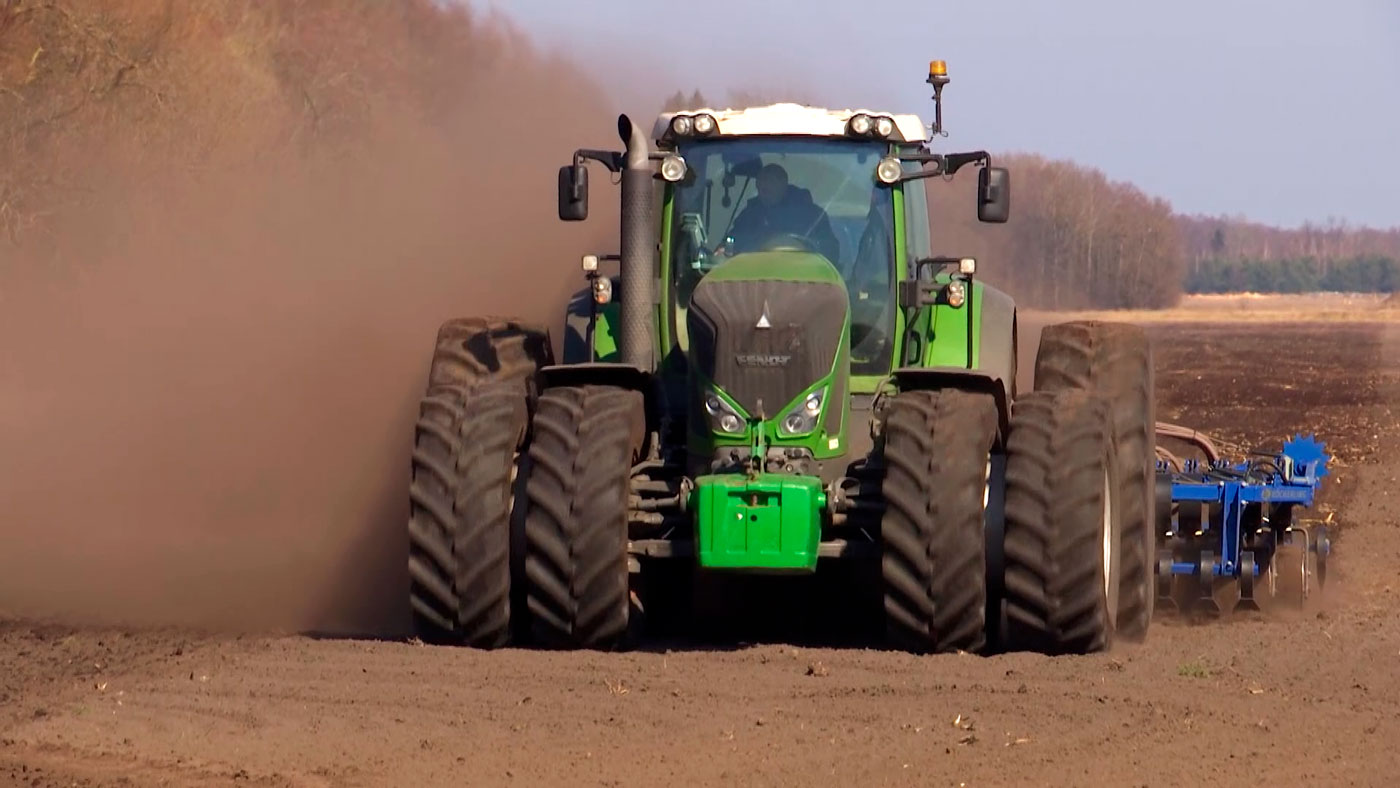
(776, 193)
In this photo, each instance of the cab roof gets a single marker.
(793, 119)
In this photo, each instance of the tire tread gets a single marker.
(460, 508)
(1057, 455)
(584, 444)
(936, 447)
(1115, 360)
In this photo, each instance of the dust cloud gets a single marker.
(209, 365)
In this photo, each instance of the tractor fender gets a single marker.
(596, 374)
(982, 381)
(576, 331)
(997, 338)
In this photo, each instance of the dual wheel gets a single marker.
(468, 448)
(1073, 568)
(491, 560)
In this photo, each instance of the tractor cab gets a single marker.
(787, 180)
(763, 187)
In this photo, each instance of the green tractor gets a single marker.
(781, 373)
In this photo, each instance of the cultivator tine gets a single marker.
(1206, 602)
(1166, 602)
(1322, 546)
(1289, 572)
(1247, 602)
(1295, 533)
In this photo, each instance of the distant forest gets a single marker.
(1231, 255)
(1077, 239)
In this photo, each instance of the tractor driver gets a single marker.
(781, 208)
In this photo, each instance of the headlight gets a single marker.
(957, 294)
(884, 127)
(602, 290)
(860, 124)
(802, 419)
(673, 168)
(705, 124)
(681, 125)
(723, 417)
(888, 170)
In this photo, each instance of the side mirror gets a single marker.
(573, 193)
(993, 195)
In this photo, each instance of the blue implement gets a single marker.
(1226, 522)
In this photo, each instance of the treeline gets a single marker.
(1364, 274)
(1076, 239)
(97, 92)
(1232, 238)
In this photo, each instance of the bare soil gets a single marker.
(1258, 307)
(1285, 699)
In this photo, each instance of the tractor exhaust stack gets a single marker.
(638, 245)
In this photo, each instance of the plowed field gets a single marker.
(1286, 699)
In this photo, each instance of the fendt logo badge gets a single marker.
(762, 359)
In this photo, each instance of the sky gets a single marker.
(1280, 112)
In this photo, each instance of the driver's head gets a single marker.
(772, 184)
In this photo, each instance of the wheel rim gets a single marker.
(510, 484)
(1107, 529)
(987, 484)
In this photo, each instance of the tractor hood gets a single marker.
(765, 327)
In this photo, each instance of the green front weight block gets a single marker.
(768, 524)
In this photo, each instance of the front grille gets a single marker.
(765, 368)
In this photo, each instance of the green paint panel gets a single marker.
(768, 524)
(948, 346)
(604, 340)
(777, 266)
(867, 384)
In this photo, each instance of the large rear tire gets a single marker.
(466, 446)
(1114, 360)
(1062, 529)
(471, 429)
(585, 441)
(471, 350)
(937, 453)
